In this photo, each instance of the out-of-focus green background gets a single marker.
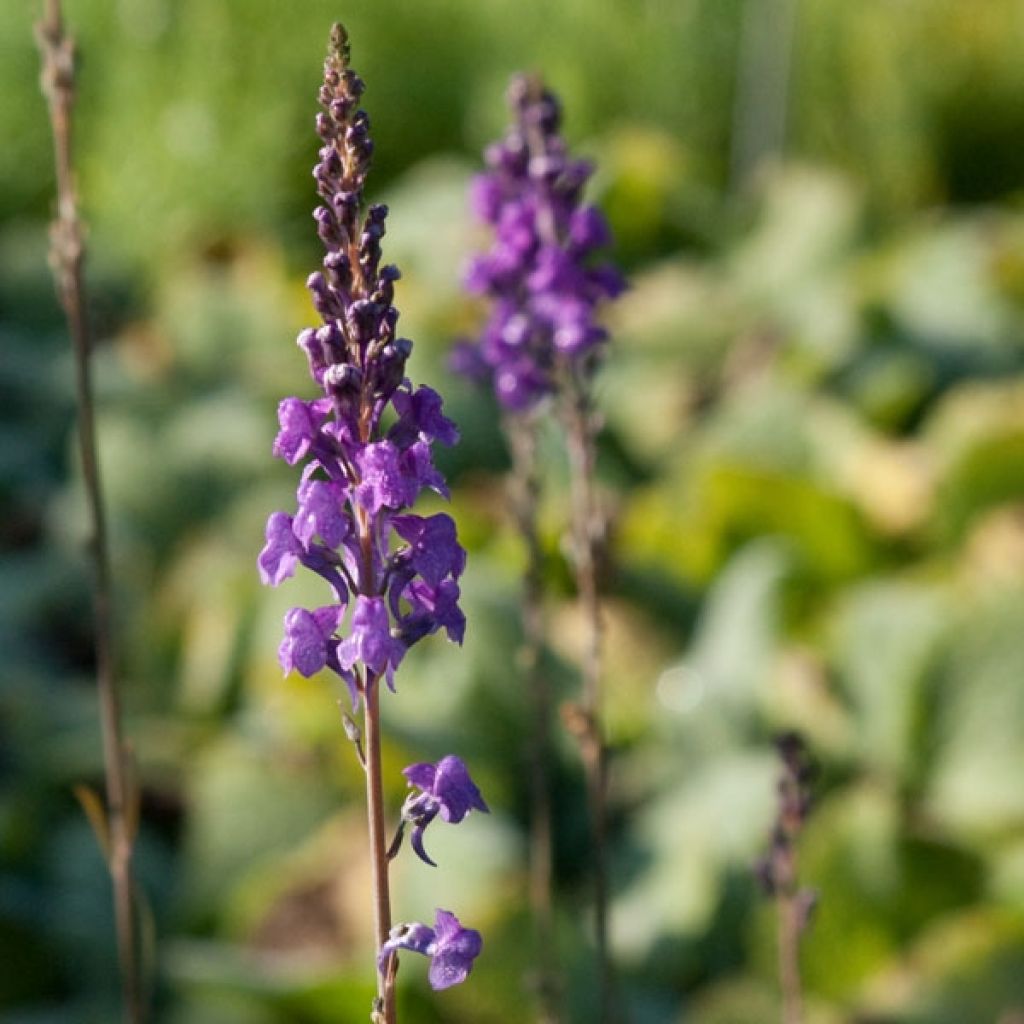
(814, 461)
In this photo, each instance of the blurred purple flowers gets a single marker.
(451, 948)
(394, 573)
(539, 274)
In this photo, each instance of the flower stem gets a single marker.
(524, 485)
(378, 842)
(789, 932)
(66, 259)
(587, 535)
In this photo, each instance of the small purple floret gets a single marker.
(452, 949)
(370, 640)
(322, 512)
(445, 789)
(281, 552)
(308, 638)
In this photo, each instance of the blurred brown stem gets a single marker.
(66, 259)
(790, 927)
(587, 538)
(524, 486)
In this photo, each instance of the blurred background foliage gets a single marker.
(814, 462)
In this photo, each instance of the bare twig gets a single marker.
(524, 486)
(66, 260)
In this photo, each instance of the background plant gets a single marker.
(835, 547)
(537, 352)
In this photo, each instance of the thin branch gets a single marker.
(524, 487)
(66, 260)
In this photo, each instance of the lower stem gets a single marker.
(378, 844)
(586, 537)
(789, 929)
(522, 437)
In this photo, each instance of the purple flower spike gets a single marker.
(452, 949)
(445, 789)
(364, 443)
(363, 446)
(545, 293)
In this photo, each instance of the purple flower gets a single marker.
(421, 416)
(281, 552)
(385, 478)
(455, 949)
(433, 549)
(418, 465)
(451, 948)
(445, 789)
(309, 639)
(322, 511)
(300, 427)
(370, 640)
(545, 293)
(433, 608)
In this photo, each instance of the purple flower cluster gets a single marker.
(539, 275)
(365, 445)
(365, 450)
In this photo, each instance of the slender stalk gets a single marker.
(66, 258)
(385, 1012)
(790, 927)
(778, 870)
(586, 531)
(378, 845)
(524, 485)
(587, 534)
